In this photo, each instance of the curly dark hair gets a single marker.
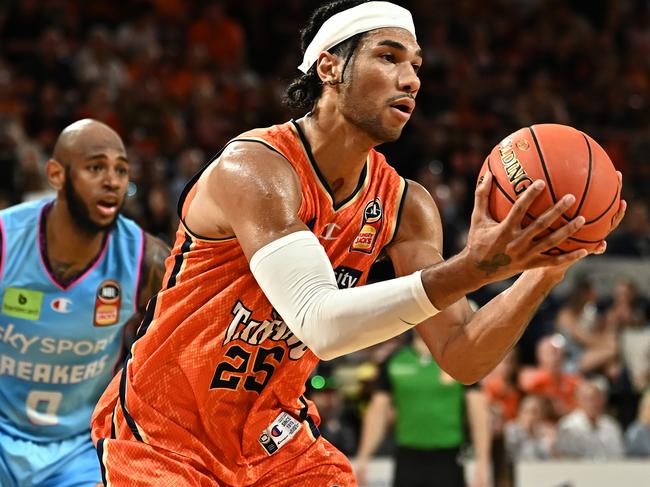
(305, 90)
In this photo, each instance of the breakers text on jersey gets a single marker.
(48, 373)
(230, 374)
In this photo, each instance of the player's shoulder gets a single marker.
(245, 163)
(155, 247)
(419, 196)
(280, 139)
(266, 133)
(419, 212)
(23, 214)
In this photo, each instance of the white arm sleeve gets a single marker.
(297, 278)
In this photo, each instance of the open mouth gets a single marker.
(402, 108)
(404, 105)
(107, 206)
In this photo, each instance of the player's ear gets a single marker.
(329, 68)
(55, 172)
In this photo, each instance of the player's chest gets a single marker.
(352, 238)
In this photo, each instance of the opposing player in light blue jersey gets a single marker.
(74, 278)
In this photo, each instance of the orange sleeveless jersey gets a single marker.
(214, 365)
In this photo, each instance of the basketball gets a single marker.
(570, 162)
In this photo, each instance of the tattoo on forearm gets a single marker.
(154, 270)
(492, 266)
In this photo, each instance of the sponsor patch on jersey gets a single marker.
(22, 303)
(107, 303)
(347, 277)
(61, 305)
(373, 219)
(279, 432)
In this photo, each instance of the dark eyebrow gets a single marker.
(397, 45)
(96, 157)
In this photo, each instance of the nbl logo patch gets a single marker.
(107, 303)
(373, 219)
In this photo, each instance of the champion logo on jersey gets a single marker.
(330, 231)
(61, 305)
(279, 432)
(373, 219)
(107, 303)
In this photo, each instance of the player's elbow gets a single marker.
(326, 346)
(463, 370)
(325, 353)
(465, 375)
(325, 349)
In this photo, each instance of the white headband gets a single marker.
(362, 18)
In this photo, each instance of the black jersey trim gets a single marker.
(398, 220)
(100, 455)
(321, 178)
(190, 184)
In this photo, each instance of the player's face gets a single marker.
(95, 184)
(379, 91)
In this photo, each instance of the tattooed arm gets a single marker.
(469, 344)
(152, 272)
(153, 269)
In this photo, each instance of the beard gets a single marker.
(372, 125)
(362, 114)
(79, 210)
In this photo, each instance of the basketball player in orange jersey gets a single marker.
(278, 233)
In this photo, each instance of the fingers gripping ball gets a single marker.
(570, 162)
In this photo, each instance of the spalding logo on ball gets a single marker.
(570, 162)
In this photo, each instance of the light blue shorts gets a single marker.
(68, 463)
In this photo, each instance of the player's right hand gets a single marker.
(498, 250)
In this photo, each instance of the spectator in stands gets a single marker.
(589, 347)
(627, 308)
(627, 314)
(97, 62)
(502, 391)
(632, 239)
(588, 432)
(429, 407)
(323, 389)
(637, 436)
(504, 396)
(531, 436)
(549, 379)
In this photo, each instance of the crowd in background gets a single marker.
(179, 78)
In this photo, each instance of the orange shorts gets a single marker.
(136, 464)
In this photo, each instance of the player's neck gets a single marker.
(65, 242)
(340, 150)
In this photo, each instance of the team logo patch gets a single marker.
(279, 432)
(22, 303)
(373, 219)
(107, 303)
(61, 305)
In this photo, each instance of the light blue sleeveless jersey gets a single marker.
(59, 345)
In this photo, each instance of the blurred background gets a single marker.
(178, 78)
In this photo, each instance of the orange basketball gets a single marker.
(570, 162)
